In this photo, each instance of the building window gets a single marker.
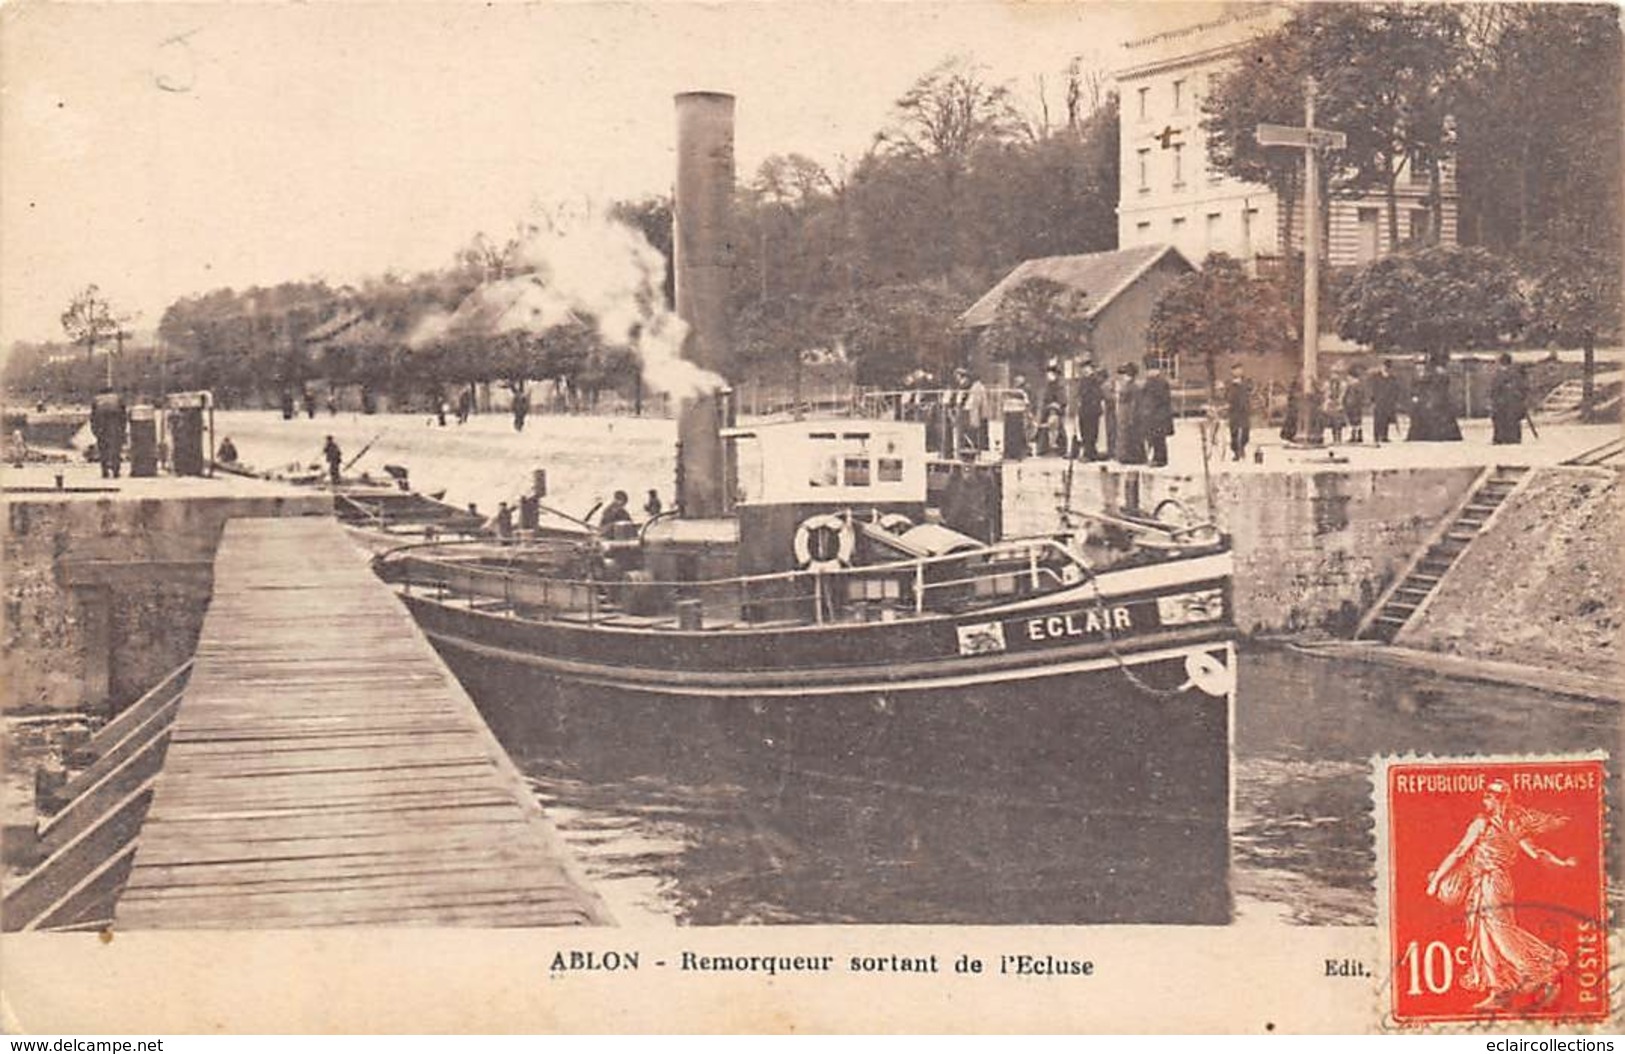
(1370, 232)
(1145, 168)
(1212, 233)
(1179, 95)
(1421, 225)
(1179, 164)
(1417, 170)
(1249, 218)
(1145, 96)
(1143, 228)
(1178, 229)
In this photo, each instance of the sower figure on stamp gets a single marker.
(1504, 959)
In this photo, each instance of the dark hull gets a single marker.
(1085, 721)
(1091, 759)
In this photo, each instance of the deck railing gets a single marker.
(884, 592)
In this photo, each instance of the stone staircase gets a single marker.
(1563, 402)
(1412, 590)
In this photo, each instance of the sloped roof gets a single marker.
(1099, 277)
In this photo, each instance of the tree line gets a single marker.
(871, 261)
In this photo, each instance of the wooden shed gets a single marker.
(1114, 291)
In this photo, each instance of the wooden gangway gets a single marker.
(325, 768)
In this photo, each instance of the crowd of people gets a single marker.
(1126, 415)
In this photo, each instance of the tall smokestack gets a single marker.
(703, 251)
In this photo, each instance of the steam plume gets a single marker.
(585, 265)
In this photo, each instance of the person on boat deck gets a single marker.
(228, 452)
(615, 512)
(653, 507)
(502, 522)
(335, 458)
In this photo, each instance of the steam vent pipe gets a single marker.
(703, 260)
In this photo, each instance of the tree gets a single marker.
(1387, 76)
(941, 120)
(1577, 298)
(1218, 311)
(1541, 129)
(89, 319)
(891, 330)
(1432, 301)
(1037, 321)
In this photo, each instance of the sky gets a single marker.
(160, 150)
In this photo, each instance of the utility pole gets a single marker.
(1311, 257)
(118, 340)
(1311, 141)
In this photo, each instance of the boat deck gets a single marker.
(326, 769)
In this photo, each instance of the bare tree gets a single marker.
(1085, 90)
(89, 319)
(950, 111)
(942, 120)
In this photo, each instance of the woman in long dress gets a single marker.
(1504, 959)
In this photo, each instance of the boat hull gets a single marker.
(1112, 745)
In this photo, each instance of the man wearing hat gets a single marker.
(1090, 402)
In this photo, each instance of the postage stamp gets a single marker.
(1491, 888)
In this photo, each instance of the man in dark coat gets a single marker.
(1354, 398)
(1089, 401)
(110, 425)
(521, 409)
(1156, 409)
(1130, 436)
(1384, 392)
(1509, 402)
(335, 459)
(1239, 412)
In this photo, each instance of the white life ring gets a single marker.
(834, 548)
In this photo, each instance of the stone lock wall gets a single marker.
(103, 598)
(1313, 549)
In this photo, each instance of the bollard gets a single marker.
(1258, 455)
(49, 781)
(690, 616)
(59, 483)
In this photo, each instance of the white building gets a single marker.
(1168, 194)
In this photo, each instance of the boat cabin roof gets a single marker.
(840, 461)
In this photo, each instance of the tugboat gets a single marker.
(836, 606)
(842, 607)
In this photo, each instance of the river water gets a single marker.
(671, 835)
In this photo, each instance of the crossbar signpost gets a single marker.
(1311, 141)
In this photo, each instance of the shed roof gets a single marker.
(1098, 277)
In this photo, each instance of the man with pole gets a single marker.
(1311, 141)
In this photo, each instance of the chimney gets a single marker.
(703, 262)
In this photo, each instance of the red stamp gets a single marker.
(1490, 883)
